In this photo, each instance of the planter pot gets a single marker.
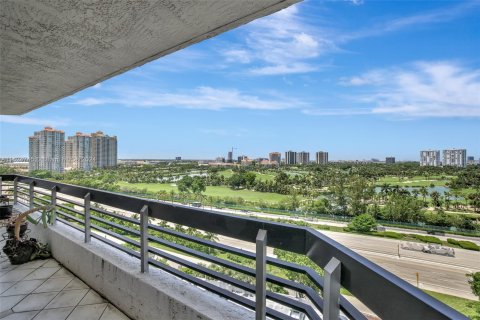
(11, 230)
(6, 211)
(21, 251)
(18, 252)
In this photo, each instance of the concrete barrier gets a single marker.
(116, 276)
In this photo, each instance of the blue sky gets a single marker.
(360, 79)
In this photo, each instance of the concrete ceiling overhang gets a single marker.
(50, 49)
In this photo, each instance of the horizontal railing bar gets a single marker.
(70, 216)
(100, 238)
(42, 192)
(299, 306)
(21, 192)
(70, 209)
(116, 225)
(310, 273)
(116, 235)
(80, 204)
(115, 215)
(314, 297)
(43, 200)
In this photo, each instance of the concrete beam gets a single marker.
(50, 49)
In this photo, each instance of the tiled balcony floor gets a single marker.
(44, 290)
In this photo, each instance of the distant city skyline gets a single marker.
(340, 76)
(232, 154)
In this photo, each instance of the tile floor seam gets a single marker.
(20, 269)
(103, 311)
(26, 295)
(25, 280)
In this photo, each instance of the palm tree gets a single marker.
(447, 196)
(436, 199)
(385, 190)
(424, 193)
(415, 193)
(456, 195)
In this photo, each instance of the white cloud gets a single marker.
(424, 89)
(338, 111)
(237, 55)
(369, 78)
(356, 2)
(283, 69)
(282, 43)
(97, 86)
(200, 98)
(444, 14)
(33, 121)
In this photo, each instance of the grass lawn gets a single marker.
(417, 181)
(259, 176)
(217, 191)
(465, 306)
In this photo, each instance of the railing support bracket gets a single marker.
(261, 275)
(86, 207)
(331, 290)
(144, 239)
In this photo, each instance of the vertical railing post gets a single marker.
(31, 195)
(331, 290)
(261, 275)
(1, 186)
(144, 239)
(15, 190)
(86, 207)
(53, 202)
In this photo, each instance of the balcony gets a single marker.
(127, 250)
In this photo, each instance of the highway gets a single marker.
(437, 273)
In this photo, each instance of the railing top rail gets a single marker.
(365, 280)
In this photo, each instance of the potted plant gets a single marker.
(5, 207)
(45, 218)
(20, 251)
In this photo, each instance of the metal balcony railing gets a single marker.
(137, 232)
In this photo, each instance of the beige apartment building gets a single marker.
(78, 153)
(322, 157)
(275, 157)
(103, 150)
(47, 150)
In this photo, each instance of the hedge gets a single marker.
(428, 239)
(388, 234)
(464, 244)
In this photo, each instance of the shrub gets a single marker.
(468, 245)
(387, 234)
(452, 241)
(428, 239)
(363, 223)
(391, 234)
